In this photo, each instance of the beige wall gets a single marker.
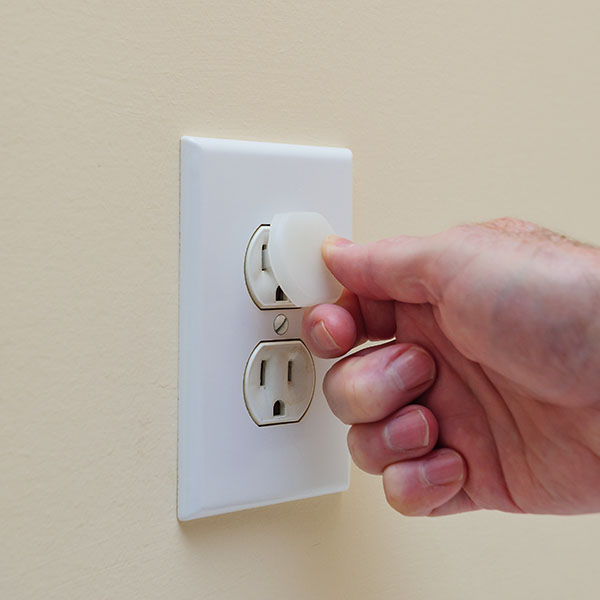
(455, 111)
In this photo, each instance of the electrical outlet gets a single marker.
(247, 438)
(279, 382)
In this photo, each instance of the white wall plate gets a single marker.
(226, 461)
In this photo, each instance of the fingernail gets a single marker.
(407, 432)
(323, 339)
(412, 369)
(444, 468)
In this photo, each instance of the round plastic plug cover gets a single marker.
(295, 242)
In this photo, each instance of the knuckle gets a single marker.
(328, 390)
(404, 507)
(342, 389)
(353, 446)
(335, 388)
(355, 452)
(358, 393)
(398, 502)
(399, 493)
(361, 451)
(510, 224)
(363, 403)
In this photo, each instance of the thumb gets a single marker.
(405, 269)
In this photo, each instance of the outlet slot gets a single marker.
(263, 258)
(290, 363)
(278, 409)
(280, 296)
(263, 368)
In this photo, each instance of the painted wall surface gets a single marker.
(455, 111)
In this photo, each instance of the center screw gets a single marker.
(281, 324)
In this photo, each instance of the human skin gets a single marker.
(488, 394)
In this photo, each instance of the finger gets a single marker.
(409, 433)
(329, 330)
(372, 384)
(418, 487)
(406, 269)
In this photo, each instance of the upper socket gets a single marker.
(260, 281)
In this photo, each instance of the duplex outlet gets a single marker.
(246, 438)
(279, 382)
(279, 378)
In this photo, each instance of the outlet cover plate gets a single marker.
(227, 462)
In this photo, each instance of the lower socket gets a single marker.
(279, 382)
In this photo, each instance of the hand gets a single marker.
(489, 395)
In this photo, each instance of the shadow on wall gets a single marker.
(279, 519)
(298, 541)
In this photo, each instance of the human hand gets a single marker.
(489, 395)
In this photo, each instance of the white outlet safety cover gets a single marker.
(295, 242)
(227, 462)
